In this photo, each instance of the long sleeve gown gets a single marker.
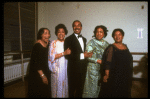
(91, 86)
(58, 67)
(39, 61)
(120, 65)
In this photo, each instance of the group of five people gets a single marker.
(68, 67)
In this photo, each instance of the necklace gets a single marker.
(119, 44)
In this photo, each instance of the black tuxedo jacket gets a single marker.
(76, 69)
(74, 45)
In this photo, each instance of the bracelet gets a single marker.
(62, 53)
(42, 76)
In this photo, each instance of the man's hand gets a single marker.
(89, 54)
(99, 61)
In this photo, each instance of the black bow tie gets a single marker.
(79, 36)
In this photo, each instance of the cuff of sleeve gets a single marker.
(96, 60)
(81, 56)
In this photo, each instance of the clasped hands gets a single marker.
(88, 54)
(67, 52)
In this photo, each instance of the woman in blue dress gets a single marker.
(96, 45)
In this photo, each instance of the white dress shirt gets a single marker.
(81, 44)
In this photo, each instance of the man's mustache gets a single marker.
(77, 29)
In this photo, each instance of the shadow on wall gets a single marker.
(142, 67)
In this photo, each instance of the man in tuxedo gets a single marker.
(77, 63)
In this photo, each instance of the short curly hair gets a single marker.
(40, 32)
(61, 26)
(102, 27)
(118, 29)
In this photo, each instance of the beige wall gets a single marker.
(126, 15)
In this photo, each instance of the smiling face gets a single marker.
(77, 27)
(99, 34)
(61, 34)
(118, 37)
(45, 36)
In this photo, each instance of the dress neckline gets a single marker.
(60, 41)
(120, 49)
(41, 44)
(99, 42)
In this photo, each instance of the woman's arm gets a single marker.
(91, 48)
(67, 44)
(66, 52)
(53, 56)
(44, 78)
(38, 59)
(107, 58)
(106, 76)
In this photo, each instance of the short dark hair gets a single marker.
(40, 32)
(61, 26)
(104, 29)
(118, 29)
(76, 21)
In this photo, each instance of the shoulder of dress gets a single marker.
(37, 45)
(125, 44)
(107, 43)
(110, 46)
(90, 41)
(53, 41)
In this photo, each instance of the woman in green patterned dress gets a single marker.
(96, 45)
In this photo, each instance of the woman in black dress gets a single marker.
(39, 74)
(118, 66)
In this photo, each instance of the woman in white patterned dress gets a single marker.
(58, 63)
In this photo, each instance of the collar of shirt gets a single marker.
(76, 35)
